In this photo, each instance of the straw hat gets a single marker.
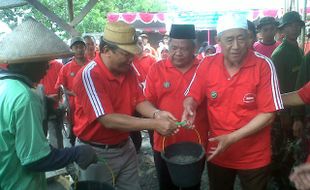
(32, 42)
(121, 35)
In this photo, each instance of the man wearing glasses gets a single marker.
(107, 94)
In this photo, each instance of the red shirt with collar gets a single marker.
(265, 49)
(91, 58)
(66, 76)
(141, 65)
(165, 86)
(234, 101)
(99, 92)
(304, 93)
(50, 78)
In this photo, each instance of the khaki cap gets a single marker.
(121, 35)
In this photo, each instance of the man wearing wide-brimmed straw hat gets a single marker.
(24, 151)
(107, 94)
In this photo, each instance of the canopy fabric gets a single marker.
(130, 18)
(141, 21)
(159, 22)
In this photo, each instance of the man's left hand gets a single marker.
(224, 141)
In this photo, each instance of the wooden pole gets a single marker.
(209, 38)
(53, 17)
(70, 10)
(303, 32)
(83, 13)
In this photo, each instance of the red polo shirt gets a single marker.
(89, 57)
(165, 86)
(304, 93)
(99, 92)
(141, 65)
(66, 76)
(50, 78)
(264, 49)
(234, 101)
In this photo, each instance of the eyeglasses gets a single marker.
(123, 53)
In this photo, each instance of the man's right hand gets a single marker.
(301, 177)
(166, 127)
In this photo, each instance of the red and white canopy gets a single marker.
(203, 20)
(141, 21)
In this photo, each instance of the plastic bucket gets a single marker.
(185, 162)
(91, 185)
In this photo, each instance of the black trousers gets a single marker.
(165, 182)
(221, 178)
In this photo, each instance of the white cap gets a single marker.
(230, 21)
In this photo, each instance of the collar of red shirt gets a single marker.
(247, 61)
(168, 62)
(107, 72)
(73, 61)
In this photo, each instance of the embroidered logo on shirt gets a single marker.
(213, 94)
(249, 98)
(167, 84)
(72, 74)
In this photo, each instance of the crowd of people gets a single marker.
(230, 93)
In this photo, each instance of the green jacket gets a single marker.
(287, 59)
(304, 77)
(22, 140)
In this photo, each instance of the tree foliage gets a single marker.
(94, 20)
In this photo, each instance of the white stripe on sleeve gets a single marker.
(91, 90)
(274, 82)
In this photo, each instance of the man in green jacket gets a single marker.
(287, 58)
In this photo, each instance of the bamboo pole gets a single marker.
(303, 32)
